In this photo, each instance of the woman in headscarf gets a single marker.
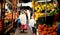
(23, 21)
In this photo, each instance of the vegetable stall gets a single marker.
(46, 16)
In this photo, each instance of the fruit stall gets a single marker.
(7, 17)
(46, 16)
(6, 20)
(10, 15)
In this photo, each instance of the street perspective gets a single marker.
(29, 17)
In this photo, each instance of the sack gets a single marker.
(25, 27)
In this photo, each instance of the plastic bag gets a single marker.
(25, 27)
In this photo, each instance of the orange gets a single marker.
(54, 33)
(44, 33)
(54, 27)
(45, 29)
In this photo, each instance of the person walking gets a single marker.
(32, 23)
(18, 21)
(23, 20)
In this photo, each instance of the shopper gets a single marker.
(18, 22)
(28, 14)
(32, 22)
(23, 20)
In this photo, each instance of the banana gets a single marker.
(32, 4)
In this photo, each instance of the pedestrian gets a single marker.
(23, 20)
(18, 22)
(28, 14)
(32, 22)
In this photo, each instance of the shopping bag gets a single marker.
(25, 27)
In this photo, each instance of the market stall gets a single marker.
(7, 16)
(10, 15)
(8, 25)
(46, 15)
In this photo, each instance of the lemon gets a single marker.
(39, 8)
(36, 8)
(41, 14)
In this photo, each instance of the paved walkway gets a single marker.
(28, 32)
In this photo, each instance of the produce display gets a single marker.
(43, 29)
(9, 15)
(43, 10)
(41, 6)
(38, 14)
(40, 9)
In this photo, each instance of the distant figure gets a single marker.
(32, 22)
(23, 20)
(27, 12)
(18, 21)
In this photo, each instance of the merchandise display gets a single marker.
(43, 9)
(45, 30)
(45, 12)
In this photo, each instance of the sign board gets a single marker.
(27, 4)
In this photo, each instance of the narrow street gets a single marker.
(28, 32)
